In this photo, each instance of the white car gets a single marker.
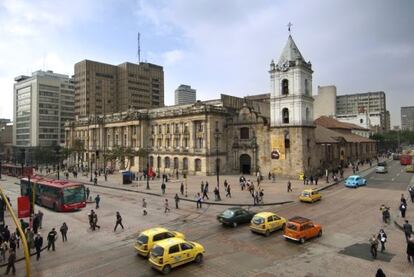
(381, 169)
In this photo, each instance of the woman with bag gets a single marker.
(382, 238)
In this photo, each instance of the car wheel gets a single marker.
(320, 233)
(302, 240)
(166, 269)
(199, 258)
(234, 224)
(267, 233)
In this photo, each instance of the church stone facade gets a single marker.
(234, 135)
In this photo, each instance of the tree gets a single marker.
(129, 153)
(78, 147)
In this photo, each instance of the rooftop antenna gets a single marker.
(289, 27)
(139, 48)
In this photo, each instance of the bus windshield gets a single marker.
(74, 194)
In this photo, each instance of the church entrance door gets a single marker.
(245, 164)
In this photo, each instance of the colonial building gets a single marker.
(233, 135)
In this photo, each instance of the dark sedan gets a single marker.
(235, 216)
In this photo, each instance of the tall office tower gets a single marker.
(104, 88)
(407, 118)
(349, 106)
(42, 105)
(185, 95)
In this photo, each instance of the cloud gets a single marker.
(172, 57)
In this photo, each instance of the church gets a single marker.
(270, 133)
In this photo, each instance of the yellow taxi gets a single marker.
(267, 222)
(310, 195)
(147, 238)
(409, 168)
(173, 252)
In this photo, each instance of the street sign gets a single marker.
(275, 155)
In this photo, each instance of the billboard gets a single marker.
(278, 147)
(23, 206)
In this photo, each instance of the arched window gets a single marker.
(244, 133)
(175, 163)
(158, 162)
(151, 161)
(197, 165)
(307, 115)
(167, 162)
(285, 115)
(185, 163)
(285, 87)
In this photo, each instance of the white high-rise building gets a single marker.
(184, 94)
(42, 104)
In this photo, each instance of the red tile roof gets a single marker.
(332, 123)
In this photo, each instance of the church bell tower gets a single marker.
(291, 111)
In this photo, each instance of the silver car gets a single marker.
(381, 169)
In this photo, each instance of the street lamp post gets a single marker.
(148, 166)
(90, 166)
(58, 161)
(217, 136)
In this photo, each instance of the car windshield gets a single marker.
(292, 226)
(157, 251)
(258, 220)
(143, 239)
(305, 193)
(74, 194)
(228, 213)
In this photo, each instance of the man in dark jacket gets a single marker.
(38, 242)
(408, 229)
(403, 208)
(118, 221)
(410, 250)
(51, 238)
(11, 261)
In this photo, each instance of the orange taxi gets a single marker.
(301, 229)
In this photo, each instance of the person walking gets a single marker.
(40, 215)
(11, 261)
(87, 194)
(410, 250)
(95, 221)
(177, 199)
(199, 200)
(90, 217)
(12, 241)
(182, 188)
(411, 191)
(51, 238)
(163, 186)
(374, 246)
(228, 191)
(289, 186)
(118, 221)
(202, 187)
(408, 229)
(95, 180)
(380, 273)
(97, 201)
(3, 250)
(166, 206)
(35, 223)
(382, 237)
(38, 242)
(144, 207)
(64, 231)
(403, 200)
(403, 208)
(205, 192)
(385, 213)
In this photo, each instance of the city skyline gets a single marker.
(216, 47)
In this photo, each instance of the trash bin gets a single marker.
(126, 177)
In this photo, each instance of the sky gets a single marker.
(216, 46)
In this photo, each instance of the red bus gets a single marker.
(59, 195)
(16, 170)
(406, 159)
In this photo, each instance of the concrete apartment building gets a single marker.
(102, 88)
(407, 118)
(325, 102)
(184, 94)
(42, 104)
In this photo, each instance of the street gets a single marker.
(348, 217)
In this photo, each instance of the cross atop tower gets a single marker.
(289, 26)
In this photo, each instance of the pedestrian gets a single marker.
(202, 187)
(385, 213)
(11, 261)
(51, 238)
(144, 207)
(382, 237)
(6, 233)
(269, 176)
(411, 191)
(35, 223)
(199, 200)
(289, 186)
(63, 231)
(106, 176)
(90, 217)
(40, 215)
(216, 198)
(304, 179)
(177, 199)
(403, 208)
(87, 194)
(163, 188)
(225, 184)
(38, 242)
(12, 241)
(205, 192)
(3, 250)
(95, 221)
(30, 238)
(380, 273)
(182, 188)
(273, 177)
(316, 180)
(374, 246)
(97, 200)
(95, 181)
(410, 250)
(228, 194)
(403, 200)
(118, 221)
(166, 206)
(408, 229)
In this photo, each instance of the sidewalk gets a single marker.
(274, 192)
